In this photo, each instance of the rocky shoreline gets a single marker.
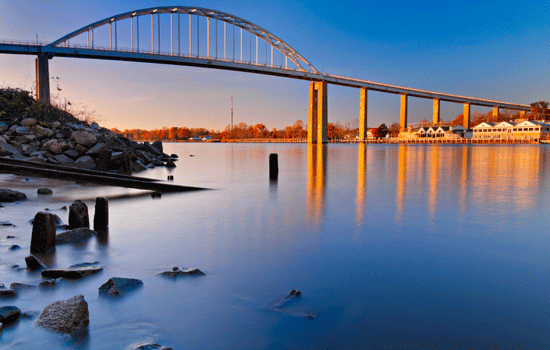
(79, 145)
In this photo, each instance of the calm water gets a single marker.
(392, 247)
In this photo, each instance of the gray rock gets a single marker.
(19, 287)
(71, 153)
(21, 130)
(77, 235)
(138, 166)
(11, 196)
(176, 271)
(54, 146)
(33, 263)
(81, 149)
(94, 126)
(6, 149)
(7, 294)
(72, 272)
(170, 164)
(65, 316)
(84, 138)
(19, 156)
(49, 284)
(3, 126)
(78, 215)
(63, 159)
(117, 286)
(94, 151)
(150, 346)
(158, 145)
(9, 314)
(85, 162)
(43, 133)
(44, 191)
(15, 247)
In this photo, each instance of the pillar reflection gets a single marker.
(401, 178)
(433, 182)
(316, 182)
(361, 183)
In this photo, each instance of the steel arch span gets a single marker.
(191, 38)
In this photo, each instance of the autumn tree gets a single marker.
(540, 111)
(394, 129)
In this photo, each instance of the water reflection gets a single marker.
(361, 184)
(509, 174)
(316, 182)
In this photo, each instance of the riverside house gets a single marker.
(528, 130)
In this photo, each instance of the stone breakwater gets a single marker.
(79, 145)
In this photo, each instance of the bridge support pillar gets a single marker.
(363, 114)
(403, 119)
(42, 79)
(437, 112)
(317, 127)
(522, 114)
(495, 112)
(466, 116)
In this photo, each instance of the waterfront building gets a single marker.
(528, 130)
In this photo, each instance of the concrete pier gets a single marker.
(42, 79)
(363, 114)
(403, 118)
(466, 118)
(318, 115)
(437, 112)
(495, 112)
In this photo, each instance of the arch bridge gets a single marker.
(200, 37)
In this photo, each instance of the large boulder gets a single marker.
(33, 263)
(43, 133)
(7, 293)
(63, 159)
(77, 235)
(158, 145)
(94, 151)
(7, 195)
(78, 215)
(117, 286)
(84, 138)
(54, 146)
(9, 314)
(66, 316)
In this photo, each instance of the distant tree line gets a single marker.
(239, 131)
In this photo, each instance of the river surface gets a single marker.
(392, 246)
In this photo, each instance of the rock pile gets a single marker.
(79, 145)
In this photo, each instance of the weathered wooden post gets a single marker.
(273, 166)
(101, 215)
(43, 233)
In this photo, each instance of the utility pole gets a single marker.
(231, 112)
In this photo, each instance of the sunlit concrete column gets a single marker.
(42, 79)
(466, 118)
(495, 112)
(437, 112)
(522, 114)
(403, 118)
(322, 113)
(363, 114)
(312, 115)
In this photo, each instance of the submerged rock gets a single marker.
(176, 271)
(117, 285)
(9, 314)
(72, 272)
(65, 316)
(49, 284)
(7, 294)
(33, 263)
(7, 195)
(77, 235)
(18, 287)
(150, 346)
(44, 191)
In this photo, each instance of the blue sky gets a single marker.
(489, 49)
